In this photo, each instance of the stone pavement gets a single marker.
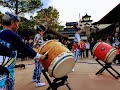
(83, 78)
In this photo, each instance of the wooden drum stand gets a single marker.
(57, 82)
(105, 67)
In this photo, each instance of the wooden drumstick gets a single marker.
(48, 50)
(36, 41)
(47, 53)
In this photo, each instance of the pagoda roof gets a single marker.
(68, 31)
(86, 15)
(71, 23)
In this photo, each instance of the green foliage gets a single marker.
(26, 28)
(22, 6)
(48, 16)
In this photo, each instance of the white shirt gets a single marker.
(77, 38)
(87, 45)
(41, 41)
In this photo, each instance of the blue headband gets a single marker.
(39, 28)
(11, 15)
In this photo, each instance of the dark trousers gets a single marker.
(91, 52)
(82, 52)
(87, 52)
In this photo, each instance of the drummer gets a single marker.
(38, 41)
(10, 43)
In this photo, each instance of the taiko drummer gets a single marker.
(10, 43)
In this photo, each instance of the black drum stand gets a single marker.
(57, 82)
(105, 67)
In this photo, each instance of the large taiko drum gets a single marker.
(60, 60)
(104, 52)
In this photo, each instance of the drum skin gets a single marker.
(58, 57)
(104, 52)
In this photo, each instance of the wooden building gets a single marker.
(112, 18)
(86, 24)
(70, 30)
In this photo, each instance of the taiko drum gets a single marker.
(104, 52)
(59, 61)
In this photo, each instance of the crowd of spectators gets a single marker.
(86, 47)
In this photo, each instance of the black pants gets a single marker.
(87, 52)
(91, 52)
(82, 53)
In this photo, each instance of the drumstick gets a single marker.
(36, 41)
(48, 50)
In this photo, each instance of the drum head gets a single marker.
(62, 65)
(111, 55)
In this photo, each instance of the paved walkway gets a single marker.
(83, 78)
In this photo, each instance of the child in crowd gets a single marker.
(75, 50)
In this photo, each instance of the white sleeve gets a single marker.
(35, 38)
(38, 56)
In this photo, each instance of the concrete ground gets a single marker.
(83, 78)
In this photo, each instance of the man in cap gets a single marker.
(38, 41)
(10, 43)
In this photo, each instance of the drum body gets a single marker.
(104, 52)
(60, 60)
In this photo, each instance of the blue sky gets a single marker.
(69, 10)
(46, 3)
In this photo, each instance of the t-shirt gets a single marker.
(77, 38)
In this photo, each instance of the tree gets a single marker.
(26, 28)
(48, 16)
(21, 6)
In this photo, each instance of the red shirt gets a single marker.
(75, 46)
(117, 51)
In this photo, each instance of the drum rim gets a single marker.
(95, 47)
(56, 61)
(109, 54)
(59, 64)
(45, 44)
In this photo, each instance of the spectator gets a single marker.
(115, 40)
(92, 43)
(82, 48)
(87, 48)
